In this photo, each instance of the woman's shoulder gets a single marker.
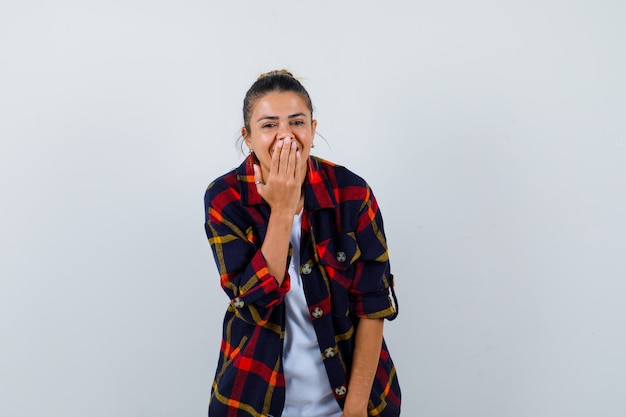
(224, 187)
(226, 180)
(339, 175)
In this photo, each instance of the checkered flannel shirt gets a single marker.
(345, 273)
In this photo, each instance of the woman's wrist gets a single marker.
(282, 214)
(355, 406)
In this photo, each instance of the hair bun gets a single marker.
(275, 72)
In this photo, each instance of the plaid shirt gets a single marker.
(345, 274)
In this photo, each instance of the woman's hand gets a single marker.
(283, 192)
(283, 185)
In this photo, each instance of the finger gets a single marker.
(292, 168)
(258, 177)
(284, 156)
(299, 162)
(276, 157)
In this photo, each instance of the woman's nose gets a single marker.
(284, 130)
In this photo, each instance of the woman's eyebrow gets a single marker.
(268, 118)
(276, 117)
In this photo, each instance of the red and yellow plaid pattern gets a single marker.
(346, 276)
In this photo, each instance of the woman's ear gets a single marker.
(244, 135)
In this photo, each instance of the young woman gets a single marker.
(301, 252)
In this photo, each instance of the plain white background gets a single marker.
(492, 132)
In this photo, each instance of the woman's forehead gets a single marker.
(279, 104)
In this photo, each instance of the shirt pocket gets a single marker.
(338, 252)
(337, 256)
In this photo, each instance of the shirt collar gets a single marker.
(318, 191)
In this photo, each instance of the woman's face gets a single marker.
(277, 116)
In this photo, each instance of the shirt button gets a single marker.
(238, 302)
(317, 313)
(306, 269)
(341, 390)
(341, 256)
(329, 352)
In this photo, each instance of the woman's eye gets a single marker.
(268, 125)
(297, 122)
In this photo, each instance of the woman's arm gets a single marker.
(244, 274)
(252, 275)
(282, 191)
(368, 343)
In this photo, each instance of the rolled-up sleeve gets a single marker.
(371, 292)
(244, 274)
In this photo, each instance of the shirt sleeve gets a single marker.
(372, 290)
(244, 274)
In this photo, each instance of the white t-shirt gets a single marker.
(308, 391)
